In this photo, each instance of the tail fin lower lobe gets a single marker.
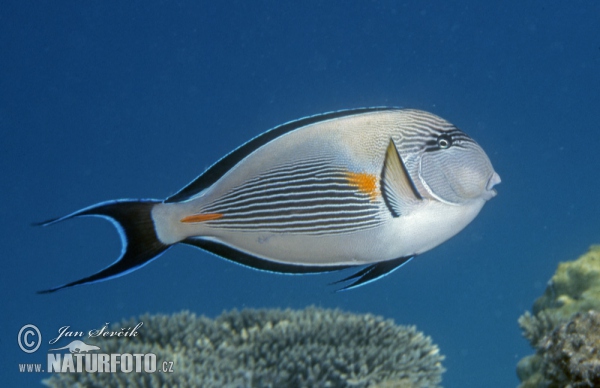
(140, 244)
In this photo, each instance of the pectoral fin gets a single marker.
(397, 188)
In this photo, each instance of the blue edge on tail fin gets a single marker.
(140, 245)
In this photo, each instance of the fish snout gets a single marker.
(493, 181)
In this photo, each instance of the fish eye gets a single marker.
(444, 141)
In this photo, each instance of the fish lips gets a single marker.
(493, 181)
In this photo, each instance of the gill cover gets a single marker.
(455, 172)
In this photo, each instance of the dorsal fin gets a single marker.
(397, 188)
(217, 170)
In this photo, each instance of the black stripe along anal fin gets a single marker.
(373, 272)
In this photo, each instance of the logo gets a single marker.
(29, 338)
(78, 356)
(66, 331)
(78, 347)
(80, 359)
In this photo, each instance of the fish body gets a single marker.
(369, 187)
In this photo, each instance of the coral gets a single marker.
(574, 288)
(535, 327)
(571, 353)
(530, 373)
(272, 348)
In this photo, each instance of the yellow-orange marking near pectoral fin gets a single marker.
(366, 183)
(201, 217)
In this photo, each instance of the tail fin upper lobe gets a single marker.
(133, 220)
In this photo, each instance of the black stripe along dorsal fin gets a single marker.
(217, 170)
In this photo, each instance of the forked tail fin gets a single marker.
(133, 220)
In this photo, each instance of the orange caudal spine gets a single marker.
(201, 217)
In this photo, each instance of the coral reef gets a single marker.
(574, 287)
(570, 302)
(571, 353)
(272, 348)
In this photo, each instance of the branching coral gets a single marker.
(273, 348)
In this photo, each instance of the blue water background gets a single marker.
(112, 99)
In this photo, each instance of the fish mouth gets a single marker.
(493, 181)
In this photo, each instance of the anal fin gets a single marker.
(373, 272)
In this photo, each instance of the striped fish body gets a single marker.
(313, 197)
(343, 189)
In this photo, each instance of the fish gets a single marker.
(367, 188)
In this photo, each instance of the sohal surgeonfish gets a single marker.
(367, 188)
